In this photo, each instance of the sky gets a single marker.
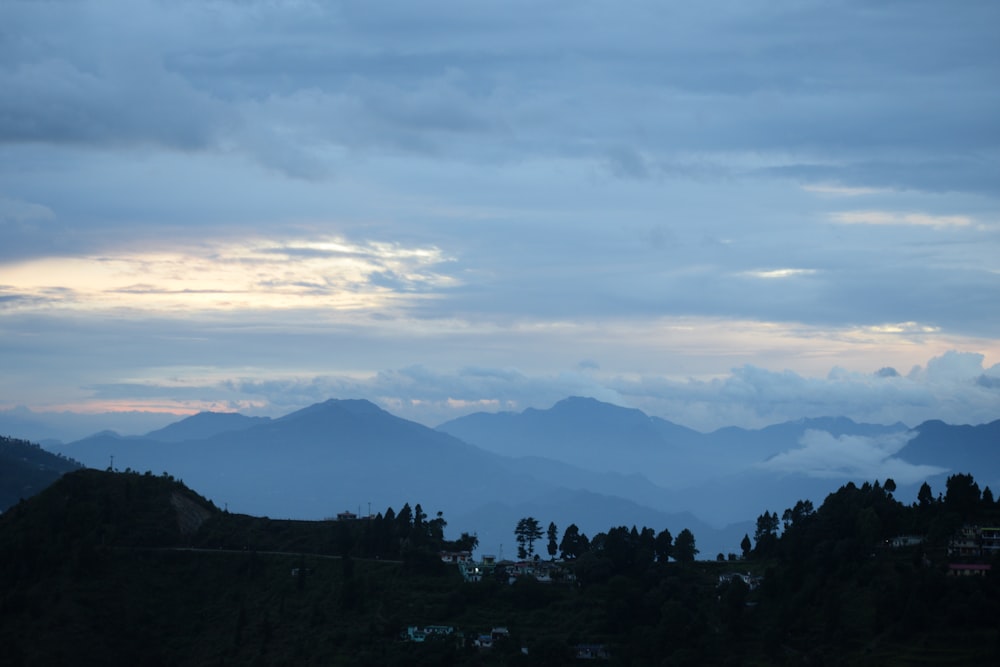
(719, 212)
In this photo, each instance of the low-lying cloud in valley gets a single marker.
(853, 457)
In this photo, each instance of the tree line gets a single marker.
(624, 547)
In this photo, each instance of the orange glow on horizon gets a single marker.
(99, 406)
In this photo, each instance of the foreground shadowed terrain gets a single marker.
(26, 469)
(122, 568)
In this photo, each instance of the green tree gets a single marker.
(684, 548)
(746, 546)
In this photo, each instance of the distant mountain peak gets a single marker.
(582, 401)
(204, 425)
(588, 404)
(354, 406)
(106, 433)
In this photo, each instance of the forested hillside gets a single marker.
(123, 568)
(26, 469)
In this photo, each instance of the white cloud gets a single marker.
(780, 273)
(897, 218)
(830, 190)
(748, 396)
(16, 211)
(317, 273)
(824, 455)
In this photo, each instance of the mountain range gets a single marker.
(582, 461)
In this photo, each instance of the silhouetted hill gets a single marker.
(26, 469)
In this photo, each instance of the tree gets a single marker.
(684, 549)
(663, 546)
(746, 546)
(552, 546)
(405, 518)
(574, 543)
(418, 516)
(526, 532)
(766, 535)
(962, 495)
(435, 527)
(867, 527)
(467, 542)
(925, 497)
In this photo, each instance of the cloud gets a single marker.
(19, 212)
(286, 83)
(830, 190)
(747, 396)
(278, 192)
(779, 273)
(318, 273)
(949, 388)
(895, 218)
(827, 456)
(953, 367)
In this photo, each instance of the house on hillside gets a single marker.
(591, 652)
(419, 634)
(486, 641)
(903, 541)
(964, 543)
(469, 568)
(456, 556)
(975, 542)
(751, 581)
(968, 569)
(543, 571)
(989, 541)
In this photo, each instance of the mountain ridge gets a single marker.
(344, 453)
